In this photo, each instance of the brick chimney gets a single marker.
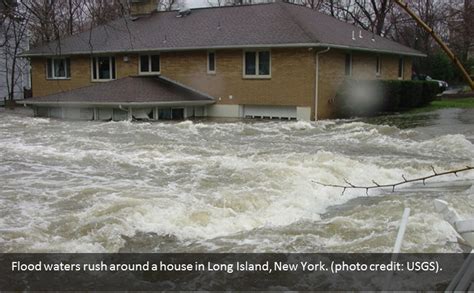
(142, 7)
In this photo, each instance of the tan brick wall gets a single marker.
(332, 74)
(80, 74)
(292, 82)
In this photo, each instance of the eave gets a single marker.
(31, 102)
(254, 46)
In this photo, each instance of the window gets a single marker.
(211, 62)
(257, 64)
(348, 66)
(401, 67)
(103, 68)
(378, 66)
(58, 68)
(150, 64)
(170, 113)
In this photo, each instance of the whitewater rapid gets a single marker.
(218, 186)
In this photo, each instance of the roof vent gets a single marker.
(353, 36)
(360, 34)
(184, 11)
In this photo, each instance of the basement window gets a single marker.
(348, 64)
(401, 67)
(103, 68)
(257, 64)
(58, 68)
(211, 62)
(150, 64)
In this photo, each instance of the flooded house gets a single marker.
(275, 60)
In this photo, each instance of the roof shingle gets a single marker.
(136, 89)
(269, 25)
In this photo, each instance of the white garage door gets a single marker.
(270, 112)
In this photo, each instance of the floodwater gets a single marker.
(230, 186)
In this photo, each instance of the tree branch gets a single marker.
(393, 185)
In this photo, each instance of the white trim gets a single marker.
(149, 72)
(256, 46)
(97, 71)
(257, 56)
(215, 62)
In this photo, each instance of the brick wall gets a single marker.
(292, 81)
(80, 74)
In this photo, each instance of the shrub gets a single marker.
(430, 90)
(366, 98)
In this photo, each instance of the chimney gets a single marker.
(142, 7)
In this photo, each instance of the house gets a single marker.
(274, 60)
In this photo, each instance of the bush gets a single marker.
(367, 98)
(430, 90)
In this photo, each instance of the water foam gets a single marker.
(85, 185)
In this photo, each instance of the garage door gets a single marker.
(270, 112)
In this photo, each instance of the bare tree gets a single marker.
(433, 13)
(13, 41)
(461, 27)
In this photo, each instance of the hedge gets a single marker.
(366, 98)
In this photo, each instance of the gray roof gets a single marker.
(264, 25)
(133, 90)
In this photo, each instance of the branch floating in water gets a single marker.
(405, 181)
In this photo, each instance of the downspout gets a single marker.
(316, 86)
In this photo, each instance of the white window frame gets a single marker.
(350, 64)
(401, 74)
(378, 66)
(66, 69)
(215, 62)
(257, 56)
(149, 72)
(97, 69)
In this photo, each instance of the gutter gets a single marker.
(120, 105)
(373, 50)
(256, 46)
(316, 86)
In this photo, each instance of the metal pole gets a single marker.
(401, 231)
(445, 48)
(398, 246)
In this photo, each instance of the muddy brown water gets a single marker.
(229, 186)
